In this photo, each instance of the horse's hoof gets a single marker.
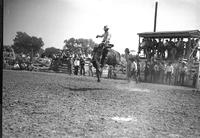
(98, 80)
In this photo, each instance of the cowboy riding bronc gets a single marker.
(105, 44)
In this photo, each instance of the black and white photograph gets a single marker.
(101, 69)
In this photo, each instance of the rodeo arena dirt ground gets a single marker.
(40, 104)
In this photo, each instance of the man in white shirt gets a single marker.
(134, 70)
(76, 65)
(106, 36)
(128, 64)
(105, 43)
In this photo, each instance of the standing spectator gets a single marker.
(134, 71)
(180, 48)
(76, 65)
(90, 69)
(37, 55)
(151, 48)
(110, 71)
(196, 45)
(161, 49)
(146, 71)
(138, 71)
(166, 47)
(142, 46)
(151, 69)
(194, 79)
(28, 58)
(128, 64)
(154, 46)
(169, 72)
(176, 73)
(162, 72)
(16, 66)
(4, 62)
(182, 73)
(70, 63)
(156, 72)
(173, 50)
(187, 48)
(82, 66)
(23, 55)
(169, 49)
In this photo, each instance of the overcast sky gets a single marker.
(57, 20)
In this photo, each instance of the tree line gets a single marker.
(32, 45)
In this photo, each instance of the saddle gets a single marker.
(110, 45)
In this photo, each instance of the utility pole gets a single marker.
(155, 17)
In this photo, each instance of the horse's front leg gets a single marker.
(101, 71)
(98, 75)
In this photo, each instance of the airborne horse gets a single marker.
(113, 58)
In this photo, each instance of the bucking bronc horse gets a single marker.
(112, 58)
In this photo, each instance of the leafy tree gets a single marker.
(49, 52)
(77, 46)
(41, 51)
(70, 45)
(23, 43)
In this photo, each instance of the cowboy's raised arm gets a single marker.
(100, 36)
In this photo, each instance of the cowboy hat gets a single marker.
(127, 50)
(106, 27)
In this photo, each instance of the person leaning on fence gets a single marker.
(169, 72)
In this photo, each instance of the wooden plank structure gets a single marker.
(171, 34)
(62, 66)
(189, 34)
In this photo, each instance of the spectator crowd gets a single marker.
(171, 49)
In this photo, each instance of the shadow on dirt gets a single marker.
(80, 89)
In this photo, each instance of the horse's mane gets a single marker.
(97, 49)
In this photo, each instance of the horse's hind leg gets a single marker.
(101, 71)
